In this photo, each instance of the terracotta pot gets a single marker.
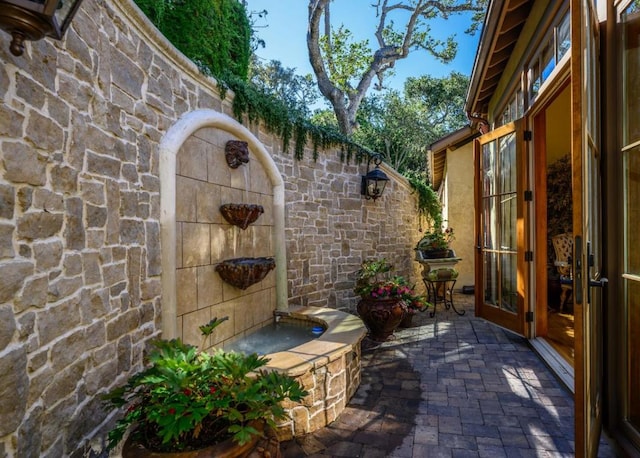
(381, 316)
(227, 449)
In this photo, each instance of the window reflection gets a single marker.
(548, 62)
(553, 49)
(563, 41)
(490, 279)
(509, 293)
(631, 74)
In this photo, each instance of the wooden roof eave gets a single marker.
(503, 23)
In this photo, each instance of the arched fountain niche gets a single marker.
(217, 211)
(222, 212)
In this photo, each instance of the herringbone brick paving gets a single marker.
(450, 386)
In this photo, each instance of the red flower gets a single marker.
(187, 392)
(172, 411)
(212, 390)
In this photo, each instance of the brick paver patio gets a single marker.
(450, 386)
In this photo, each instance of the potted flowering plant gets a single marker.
(189, 400)
(436, 243)
(385, 299)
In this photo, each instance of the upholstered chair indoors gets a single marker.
(563, 247)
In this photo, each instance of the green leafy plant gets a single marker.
(215, 34)
(189, 399)
(429, 206)
(374, 280)
(436, 239)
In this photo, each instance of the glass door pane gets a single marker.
(630, 25)
(632, 280)
(499, 202)
(631, 74)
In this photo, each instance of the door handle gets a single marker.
(577, 270)
(599, 283)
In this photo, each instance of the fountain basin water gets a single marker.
(284, 333)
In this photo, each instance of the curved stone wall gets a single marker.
(81, 123)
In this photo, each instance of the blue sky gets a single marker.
(285, 37)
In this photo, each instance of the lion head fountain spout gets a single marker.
(236, 153)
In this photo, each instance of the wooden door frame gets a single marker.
(539, 165)
(540, 230)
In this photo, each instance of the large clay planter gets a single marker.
(227, 449)
(407, 320)
(381, 316)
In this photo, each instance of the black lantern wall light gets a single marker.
(32, 20)
(374, 182)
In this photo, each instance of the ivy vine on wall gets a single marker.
(256, 105)
(215, 34)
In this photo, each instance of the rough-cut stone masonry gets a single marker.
(80, 254)
(328, 368)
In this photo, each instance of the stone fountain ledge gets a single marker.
(327, 367)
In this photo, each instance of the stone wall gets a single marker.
(80, 252)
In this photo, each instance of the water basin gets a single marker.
(244, 272)
(327, 366)
(241, 215)
(277, 337)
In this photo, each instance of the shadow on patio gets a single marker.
(450, 386)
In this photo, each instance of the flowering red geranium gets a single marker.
(373, 282)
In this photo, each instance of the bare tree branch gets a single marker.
(393, 45)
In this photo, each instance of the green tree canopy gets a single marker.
(401, 126)
(297, 92)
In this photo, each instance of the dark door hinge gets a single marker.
(528, 317)
(528, 135)
(528, 256)
(528, 196)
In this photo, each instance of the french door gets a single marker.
(501, 280)
(587, 217)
